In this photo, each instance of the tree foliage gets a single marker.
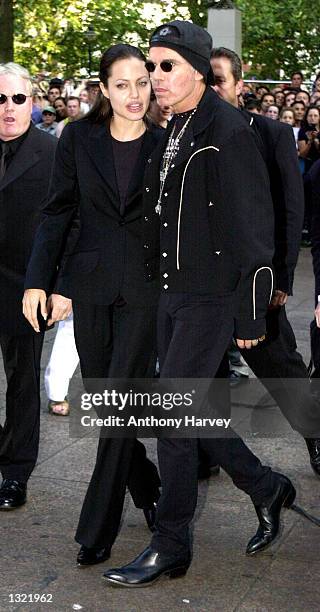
(49, 35)
(281, 34)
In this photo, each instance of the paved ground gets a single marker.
(37, 550)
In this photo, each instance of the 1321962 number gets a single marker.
(30, 597)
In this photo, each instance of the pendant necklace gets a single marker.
(171, 151)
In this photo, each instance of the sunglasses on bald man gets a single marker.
(16, 98)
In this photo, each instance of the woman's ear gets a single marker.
(104, 90)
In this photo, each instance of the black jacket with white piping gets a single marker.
(215, 232)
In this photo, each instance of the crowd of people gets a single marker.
(171, 245)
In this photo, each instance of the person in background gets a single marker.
(299, 109)
(309, 137)
(287, 116)
(37, 106)
(93, 90)
(53, 93)
(48, 123)
(272, 112)
(159, 115)
(252, 105)
(84, 100)
(289, 98)
(261, 90)
(26, 159)
(266, 101)
(303, 96)
(73, 114)
(296, 80)
(61, 109)
(278, 357)
(279, 96)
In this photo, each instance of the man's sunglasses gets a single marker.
(16, 98)
(165, 65)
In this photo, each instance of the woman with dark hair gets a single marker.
(61, 107)
(309, 137)
(98, 174)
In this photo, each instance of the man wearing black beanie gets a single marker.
(208, 213)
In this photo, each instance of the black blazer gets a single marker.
(107, 258)
(23, 192)
(280, 154)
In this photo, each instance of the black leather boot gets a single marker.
(147, 568)
(269, 515)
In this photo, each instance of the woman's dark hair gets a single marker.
(101, 111)
(60, 98)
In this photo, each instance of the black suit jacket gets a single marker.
(23, 192)
(279, 152)
(107, 259)
(313, 179)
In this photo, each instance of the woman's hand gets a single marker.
(31, 300)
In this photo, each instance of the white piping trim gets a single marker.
(254, 288)
(251, 121)
(181, 196)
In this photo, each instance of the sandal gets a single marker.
(59, 408)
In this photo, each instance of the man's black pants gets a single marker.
(284, 374)
(117, 341)
(193, 335)
(19, 437)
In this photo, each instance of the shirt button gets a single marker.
(165, 195)
(172, 165)
(165, 286)
(165, 225)
(191, 144)
(164, 254)
(146, 218)
(145, 246)
(165, 275)
(149, 160)
(147, 189)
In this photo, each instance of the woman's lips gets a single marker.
(134, 108)
(9, 120)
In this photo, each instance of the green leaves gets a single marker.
(50, 34)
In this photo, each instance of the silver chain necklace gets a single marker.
(171, 151)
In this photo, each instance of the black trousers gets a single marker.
(19, 437)
(118, 341)
(193, 335)
(277, 362)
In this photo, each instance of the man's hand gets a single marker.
(317, 315)
(31, 300)
(58, 307)
(279, 298)
(248, 344)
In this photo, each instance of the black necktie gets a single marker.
(4, 150)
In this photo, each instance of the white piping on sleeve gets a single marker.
(181, 196)
(254, 288)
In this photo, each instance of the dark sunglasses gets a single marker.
(165, 65)
(16, 98)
